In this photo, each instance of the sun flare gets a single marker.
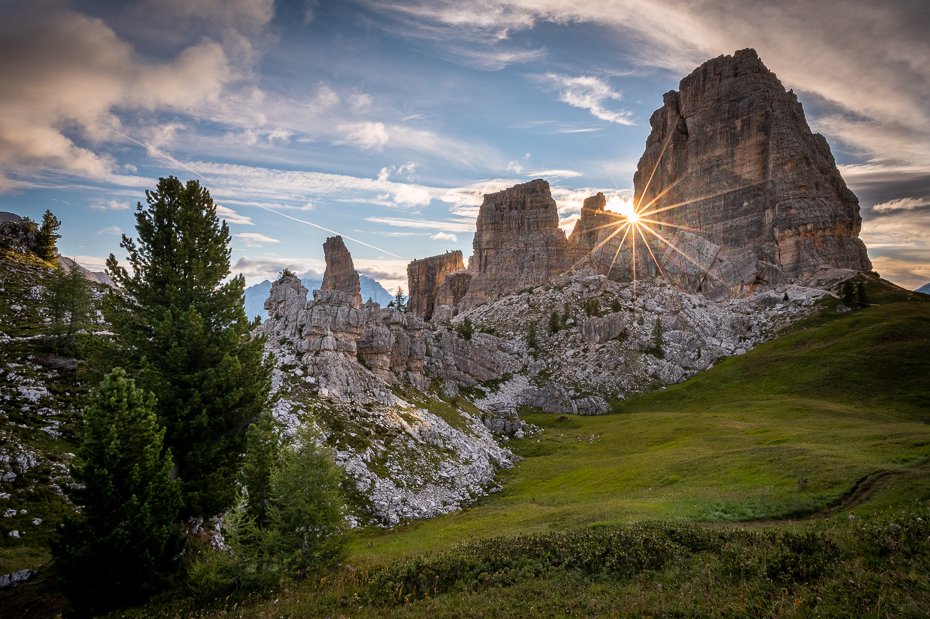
(623, 207)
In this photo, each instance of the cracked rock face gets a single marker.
(518, 243)
(425, 279)
(760, 197)
(340, 272)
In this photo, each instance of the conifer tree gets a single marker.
(306, 510)
(400, 300)
(124, 543)
(849, 294)
(67, 300)
(47, 237)
(862, 299)
(184, 333)
(263, 449)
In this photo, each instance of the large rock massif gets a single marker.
(756, 195)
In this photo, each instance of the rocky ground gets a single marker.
(417, 410)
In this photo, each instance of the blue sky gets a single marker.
(386, 121)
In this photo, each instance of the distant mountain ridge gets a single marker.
(924, 289)
(256, 295)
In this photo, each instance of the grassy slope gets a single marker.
(781, 432)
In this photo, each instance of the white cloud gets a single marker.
(112, 205)
(254, 239)
(555, 174)
(268, 268)
(367, 136)
(444, 236)
(60, 68)
(359, 102)
(232, 216)
(110, 230)
(589, 93)
(901, 204)
(454, 226)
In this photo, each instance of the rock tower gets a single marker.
(760, 193)
(340, 272)
(518, 243)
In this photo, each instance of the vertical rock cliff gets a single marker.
(518, 243)
(758, 192)
(425, 277)
(340, 272)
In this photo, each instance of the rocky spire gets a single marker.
(340, 272)
(518, 242)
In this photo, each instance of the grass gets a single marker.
(832, 417)
(781, 432)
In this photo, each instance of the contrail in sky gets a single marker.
(262, 206)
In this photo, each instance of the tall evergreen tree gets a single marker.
(849, 294)
(124, 543)
(185, 334)
(67, 299)
(47, 237)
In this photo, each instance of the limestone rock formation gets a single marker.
(752, 180)
(425, 278)
(340, 273)
(454, 288)
(518, 243)
(746, 191)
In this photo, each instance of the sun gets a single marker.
(623, 207)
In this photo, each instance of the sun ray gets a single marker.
(668, 139)
(716, 195)
(654, 259)
(617, 253)
(642, 208)
(672, 245)
(665, 223)
(598, 246)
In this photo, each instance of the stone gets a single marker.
(287, 293)
(518, 243)
(454, 288)
(734, 149)
(340, 272)
(425, 278)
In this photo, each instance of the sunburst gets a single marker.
(638, 222)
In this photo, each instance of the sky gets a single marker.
(386, 121)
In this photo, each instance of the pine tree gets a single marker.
(400, 301)
(862, 298)
(849, 294)
(67, 300)
(124, 544)
(307, 511)
(47, 237)
(184, 333)
(263, 449)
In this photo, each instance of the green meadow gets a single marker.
(779, 434)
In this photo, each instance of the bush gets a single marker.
(592, 306)
(465, 328)
(555, 323)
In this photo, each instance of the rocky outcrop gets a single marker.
(454, 288)
(745, 193)
(518, 243)
(759, 194)
(340, 273)
(425, 278)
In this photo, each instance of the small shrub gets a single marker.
(531, 340)
(465, 328)
(592, 306)
(615, 305)
(555, 323)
